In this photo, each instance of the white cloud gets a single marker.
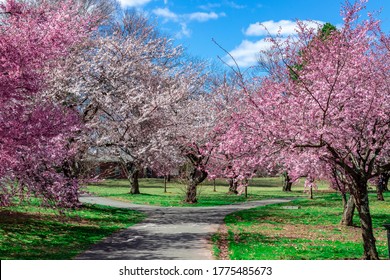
(133, 3)
(197, 16)
(247, 53)
(202, 17)
(210, 6)
(182, 18)
(231, 4)
(234, 5)
(166, 14)
(184, 32)
(285, 27)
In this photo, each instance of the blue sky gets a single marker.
(234, 24)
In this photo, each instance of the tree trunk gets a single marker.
(379, 192)
(386, 181)
(360, 195)
(165, 183)
(344, 199)
(134, 185)
(349, 210)
(195, 177)
(191, 194)
(310, 192)
(233, 186)
(287, 183)
(71, 168)
(215, 188)
(382, 185)
(132, 173)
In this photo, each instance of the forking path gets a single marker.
(168, 233)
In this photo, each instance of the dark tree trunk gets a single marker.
(287, 183)
(215, 188)
(71, 169)
(134, 185)
(311, 193)
(349, 210)
(382, 185)
(360, 195)
(165, 183)
(233, 186)
(386, 181)
(191, 194)
(132, 173)
(194, 179)
(344, 199)
(379, 192)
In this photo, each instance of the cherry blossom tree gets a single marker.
(35, 133)
(126, 85)
(192, 133)
(344, 119)
(240, 147)
(335, 110)
(34, 148)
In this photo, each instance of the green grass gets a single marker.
(311, 232)
(30, 232)
(152, 192)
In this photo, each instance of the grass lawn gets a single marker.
(152, 191)
(309, 233)
(30, 232)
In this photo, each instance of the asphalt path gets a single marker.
(168, 233)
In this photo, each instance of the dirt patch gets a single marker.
(223, 243)
(314, 232)
(321, 232)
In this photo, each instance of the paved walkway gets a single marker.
(168, 233)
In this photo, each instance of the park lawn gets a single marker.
(152, 191)
(311, 232)
(30, 232)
